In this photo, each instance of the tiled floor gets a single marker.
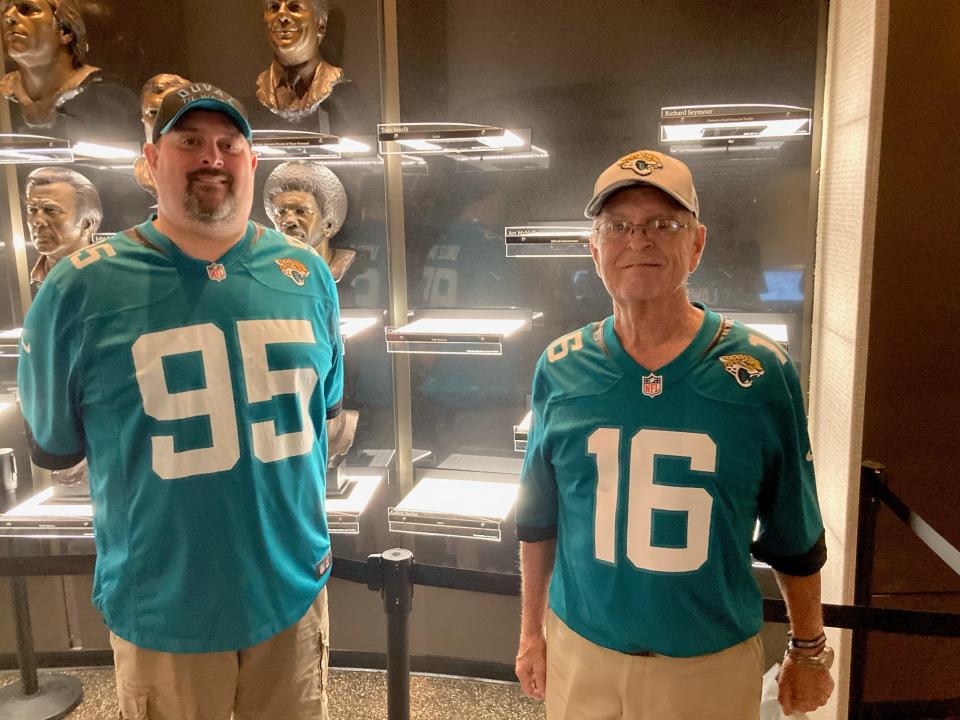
(354, 695)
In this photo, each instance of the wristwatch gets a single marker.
(823, 660)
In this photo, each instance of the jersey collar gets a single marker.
(234, 255)
(676, 368)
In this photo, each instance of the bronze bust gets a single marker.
(47, 40)
(298, 79)
(151, 95)
(63, 213)
(307, 201)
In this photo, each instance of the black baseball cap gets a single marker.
(199, 96)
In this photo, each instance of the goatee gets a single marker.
(205, 208)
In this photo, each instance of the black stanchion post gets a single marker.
(392, 574)
(870, 473)
(52, 695)
(26, 655)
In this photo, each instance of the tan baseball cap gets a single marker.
(645, 167)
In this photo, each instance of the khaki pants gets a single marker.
(589, 682)
(284, 677)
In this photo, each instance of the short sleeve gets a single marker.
(48, 380)
(789, 512)
(537, 504)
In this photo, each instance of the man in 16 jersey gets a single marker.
(660, 437)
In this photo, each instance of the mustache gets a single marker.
(209, 172)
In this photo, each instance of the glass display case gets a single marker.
(507, 113)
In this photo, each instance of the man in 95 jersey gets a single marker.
(194, 360)
(661, 437)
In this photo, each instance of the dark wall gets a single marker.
(913, 390)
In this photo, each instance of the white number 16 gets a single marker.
(645, 496)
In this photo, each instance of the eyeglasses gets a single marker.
(656, 229)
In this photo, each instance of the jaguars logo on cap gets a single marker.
(642, 163)
(293, 269)
(744, 368)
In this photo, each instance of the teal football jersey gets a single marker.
(653, 483)
(198, 393)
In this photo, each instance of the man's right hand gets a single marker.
(531, 667)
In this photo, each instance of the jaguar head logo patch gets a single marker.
(642, 163)
(293, 269)
(744, 368)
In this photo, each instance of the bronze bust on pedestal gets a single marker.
(298, 79)
(48, 42)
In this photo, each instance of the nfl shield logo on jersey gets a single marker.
(216, 271)
(652, 385)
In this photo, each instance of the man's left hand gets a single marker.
(802, 688)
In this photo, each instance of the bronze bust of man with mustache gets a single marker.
(298, 79)
(154, 91)
(48, 42)
(307, 201)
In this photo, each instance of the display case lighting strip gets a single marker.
(104, 152)
(37, 507)
(503, 327)
(406, 161)
(443, 138)
(536, 153)
(349, 146)
(24, 149)
(420, 145)
(507, 140)
(732, 131)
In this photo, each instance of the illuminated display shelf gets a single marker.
(459, 331)
(48, 517)
(23, 149)
(10, 342)
(536, 158)
(343, 513)
(756, 124)
(303, 145)
(452, 504)
(521, 431)
(355, 321)
(548, 240)
(446, 138)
